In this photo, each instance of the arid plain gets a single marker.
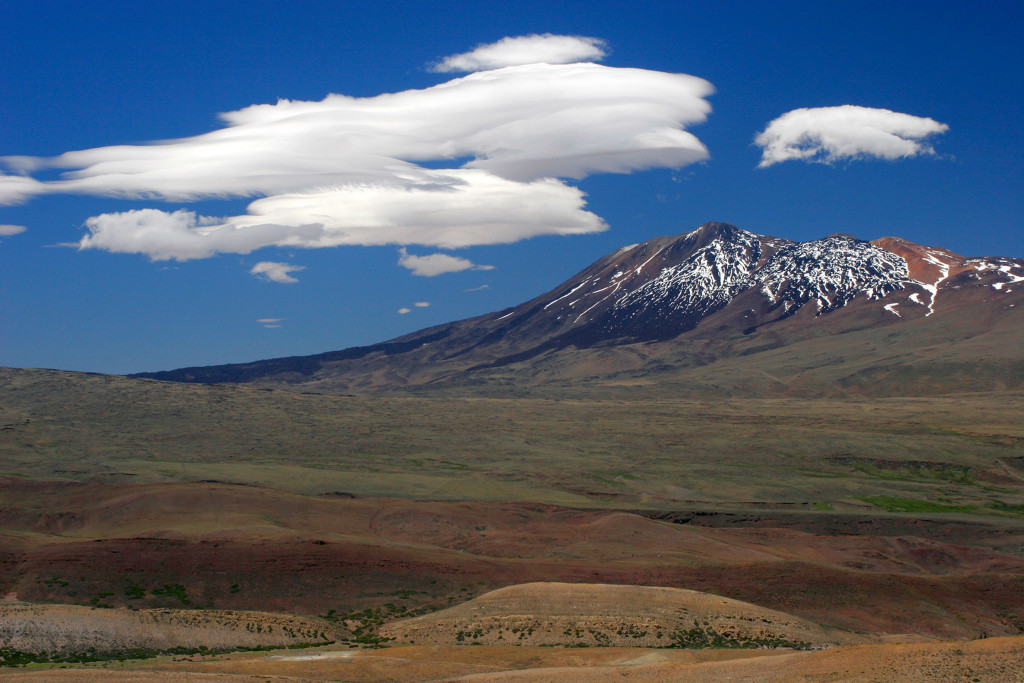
(888, 531)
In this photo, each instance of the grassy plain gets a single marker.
(884, 516)
(964, 454)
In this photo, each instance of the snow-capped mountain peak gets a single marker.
(706, 290)
(667, 286)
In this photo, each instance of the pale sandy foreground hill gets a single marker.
(519, 630)
(73, 629)
(588, 615)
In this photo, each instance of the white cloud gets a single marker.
(8, 230)
(15, 189)
(269, 321)
(346, 170)
(436, 264)
(460, 208)
(273, 271)
(521, 123)
(519, 50)
(159, 234)
(830, 134)
(477, 289)
(446, 208)
(419, 304)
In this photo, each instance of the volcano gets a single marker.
(715, 310)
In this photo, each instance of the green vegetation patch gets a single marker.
(173, 591)
(98, 600)
(953, 474)
(367, 621)
(12, 658)
(1006, 509)
(892, 504)
(703, 637)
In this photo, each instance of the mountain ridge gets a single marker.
(698, 293)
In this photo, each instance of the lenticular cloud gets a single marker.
(830, 134)
(15, 189)
(458, 208)
(547, 48)
(365, 171)
(520, 123)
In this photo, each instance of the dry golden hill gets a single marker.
(585, 615)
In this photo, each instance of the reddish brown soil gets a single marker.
(243, 547)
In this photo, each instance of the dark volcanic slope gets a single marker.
(673, 303)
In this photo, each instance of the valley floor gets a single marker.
(272, 518)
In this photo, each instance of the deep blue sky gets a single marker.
(85, 75)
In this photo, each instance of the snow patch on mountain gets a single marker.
(640, 268)
(709, 279)
(830, 271)
(567, 294)
(933, 288)
(1003, 266)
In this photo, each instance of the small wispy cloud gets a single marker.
(419, 304)
(9, 230)
(274, 271)
(829, 134)
(269, 321)
(515, 51)
(432, 265)
(477, 289)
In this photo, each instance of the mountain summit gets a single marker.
(672, 304)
